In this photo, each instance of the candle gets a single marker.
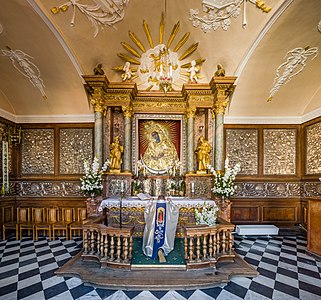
(122, 186)
(193, 186)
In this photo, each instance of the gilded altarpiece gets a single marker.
(37, 151)
(279, 151)
(75, 145)
(242, 146)
(313, 149)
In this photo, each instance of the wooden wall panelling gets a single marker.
(314, 226)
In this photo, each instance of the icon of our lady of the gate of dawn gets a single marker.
(160, 151)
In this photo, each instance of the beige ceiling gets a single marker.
(63, 53)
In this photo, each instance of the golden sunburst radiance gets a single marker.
(159, 63)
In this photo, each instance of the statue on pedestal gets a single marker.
(116, 150)
(203, 151)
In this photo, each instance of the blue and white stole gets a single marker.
(160, 228)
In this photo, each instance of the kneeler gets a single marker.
(161, 219)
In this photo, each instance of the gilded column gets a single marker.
(128, 114)
(190, 115)
(99, 106)
(219, 108)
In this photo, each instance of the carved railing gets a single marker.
(205, 245)
(111, 246)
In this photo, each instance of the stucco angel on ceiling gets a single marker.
(101, 13)
(295, 63)
(22, 63)
(219, 13)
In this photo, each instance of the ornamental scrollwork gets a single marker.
(37, 151)
(242, 146)
(279, 151)
(75, 145)
(313, 149)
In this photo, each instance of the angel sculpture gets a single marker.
(127, 75)
(193, 70)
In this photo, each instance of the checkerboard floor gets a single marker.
(27, 272)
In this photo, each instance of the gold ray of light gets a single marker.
(127, 58)
(121, 69)
(136, 41)
(130, 49)
(198, 62)
(149, 37)
(182, 41)
(161, 29)
(189, 51)
(173, 34)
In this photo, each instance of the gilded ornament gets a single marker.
(220, 106)
(98, 105)
(220, 72)
(203, 151)
(190, 112)
(98, 70)
(116, 151)
(128, 111)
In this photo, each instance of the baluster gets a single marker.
(198, 249)
(118, 248)
(106, 246)
(85, 239)
(210, 248)
(92, 241)
(191, 249)
(102, 237)
(231, 242)
(130, 247)
(218, 244)
(185, 248)
(126, 249)
(98, 242)
(112, 250)
(223, 242)
(204, 246)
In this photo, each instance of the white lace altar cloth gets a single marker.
(181, 202)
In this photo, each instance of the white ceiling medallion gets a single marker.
(295, 62)
(101, 13)
(21, 62)
(219, 13)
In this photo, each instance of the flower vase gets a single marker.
(92, 206)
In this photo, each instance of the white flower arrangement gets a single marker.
(224, 183)
(91, 182)
(206, 215)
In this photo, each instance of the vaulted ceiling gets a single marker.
(43, 56)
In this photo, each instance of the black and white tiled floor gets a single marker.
(286, 272)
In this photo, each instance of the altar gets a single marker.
(130, 212)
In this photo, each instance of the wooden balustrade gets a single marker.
(205, 245)
(112, 247)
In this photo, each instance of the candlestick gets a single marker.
(122, 186)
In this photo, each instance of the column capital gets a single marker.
(220, 107)
(128, 111)
(190, 112)
(98, 104)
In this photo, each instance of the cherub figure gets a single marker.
(193, 70)
(127, 75)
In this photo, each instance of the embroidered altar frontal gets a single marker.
(132, 212)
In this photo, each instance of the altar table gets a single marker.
(132, 211)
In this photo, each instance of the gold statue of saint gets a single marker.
(203, 154)
(116, 150)
(160, 153)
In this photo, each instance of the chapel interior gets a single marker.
(160, 79)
